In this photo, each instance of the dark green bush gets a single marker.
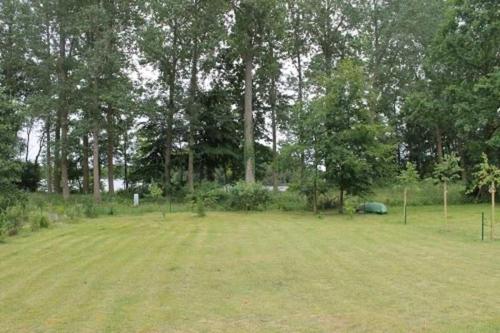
(39, 221)
(90, 209)
(200, 207)
(12, 220)
(74, 212)
(245, 196)
(212, 194)
(289, 201)
(11, 196)
(30, 177)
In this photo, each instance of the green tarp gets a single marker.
(372, 208)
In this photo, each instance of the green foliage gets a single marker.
(200, 207)
(155, 190)
(212, 194)
(289, 201)
(74, 211)
(10, 196)
(408, 176)
(30, 177)
(448, 170)
(12, 220)
(90, 209)
(345, 134)
(39, 221)
(487, 175)
(351, 203)
(423, 193)
(248, 196)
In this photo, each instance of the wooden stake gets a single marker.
(404, 202)
(445, 197)
(492, 191)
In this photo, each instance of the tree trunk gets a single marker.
(125, 158)
(85, 164)
(57, 154)
(272, 103)
(61, 72)
(95, 158)
(298, 56)
(170, 114)
(249, 150)
(439, 145)
(315, 181)
(168, 151)
(110, 150)
(64, 155)
(28, 139)
(49, 156)
(193, 116)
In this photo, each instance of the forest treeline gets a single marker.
(339, 93)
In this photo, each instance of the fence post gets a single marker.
(482, 226)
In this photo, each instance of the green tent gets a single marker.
(372, 208)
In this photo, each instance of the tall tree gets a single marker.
(251, 18)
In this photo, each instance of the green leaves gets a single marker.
(408, 176)
(448, 169)
(487, 175)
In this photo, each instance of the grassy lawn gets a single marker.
(256, 272)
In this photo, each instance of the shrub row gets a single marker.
(14, 218)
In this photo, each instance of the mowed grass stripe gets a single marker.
(154, 276)
(261, 272)
(56, 260)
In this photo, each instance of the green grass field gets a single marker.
(255, 272)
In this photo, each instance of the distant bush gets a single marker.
(90, 209)
(212, 194)
(30, 176)
(351, 203)
(11, 196)
(12, 220)
(155, 190)
(289, 201)
(74, 212)
(200, 207)
(423, 193)
(245, 196)
(39, 221)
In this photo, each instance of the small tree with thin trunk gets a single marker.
(445, 172)
(488, 176)
(407, 177)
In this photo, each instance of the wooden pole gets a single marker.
(492, 191)
(404, 202)
(445, 197)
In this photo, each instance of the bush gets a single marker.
(200, 207)
(12, 221)
(11, 196)
(423, 193)
(30, 177)
(351, 203)
(244, 196)
(74, 212)
(212, 194)
(155, 191)
(90, 209)
(289, 201)
(39, 221)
